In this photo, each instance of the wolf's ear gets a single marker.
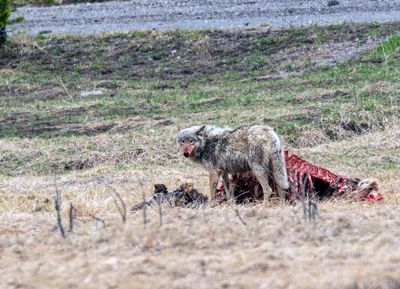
(201, 131)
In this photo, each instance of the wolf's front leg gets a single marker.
(214, 178)
(229, 187)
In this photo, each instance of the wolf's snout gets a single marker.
(186, 154)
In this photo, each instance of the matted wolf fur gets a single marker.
(255, 149)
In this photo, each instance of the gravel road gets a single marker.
(196, 14)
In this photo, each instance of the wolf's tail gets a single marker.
(277, 161)
(279, 169)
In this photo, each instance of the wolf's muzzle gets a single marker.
(186, 154)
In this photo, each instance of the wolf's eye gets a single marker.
(191, 141)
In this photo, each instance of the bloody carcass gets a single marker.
(306, 181)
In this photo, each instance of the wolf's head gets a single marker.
(190, 140)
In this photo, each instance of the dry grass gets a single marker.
(353, 245)
(123, 140)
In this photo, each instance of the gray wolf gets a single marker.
(224, 151)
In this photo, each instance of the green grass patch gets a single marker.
(190, 77)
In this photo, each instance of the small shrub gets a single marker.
(5, 12)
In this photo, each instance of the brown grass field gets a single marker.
(342, 115)
(352, 245)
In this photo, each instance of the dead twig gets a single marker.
(314, 214)
(312, 204)
(144, 210)
(160, 211)
(305, 189)
(236, 209)
(119, 203)
(99, 220)
(57, 206)
(65, 88)
(72, 216)
(310, 210)
(303, 196)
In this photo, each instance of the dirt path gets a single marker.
(197, 14)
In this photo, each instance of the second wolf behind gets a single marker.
(256, 149)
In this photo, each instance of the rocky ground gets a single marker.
(125, 16)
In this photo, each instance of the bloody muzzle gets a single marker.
(187, 149)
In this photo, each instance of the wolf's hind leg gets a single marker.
(262, 178)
